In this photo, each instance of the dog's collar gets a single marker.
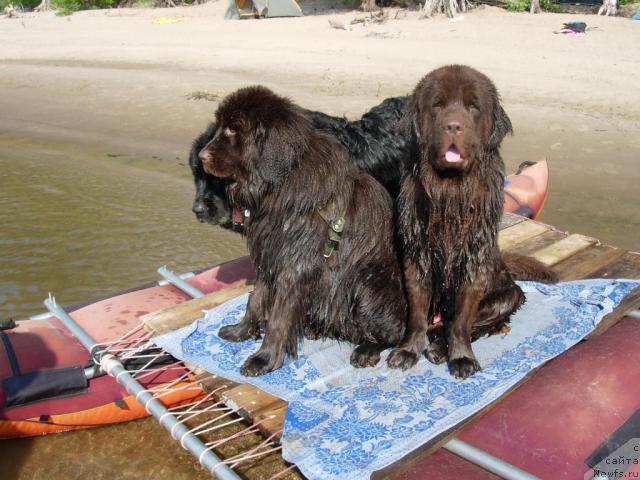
(336, 226)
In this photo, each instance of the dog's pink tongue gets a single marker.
(452, 155)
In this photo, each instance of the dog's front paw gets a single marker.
(365, 355)
(311, 334)
(258, 364)
(437, 352)
(463, 367)
(236, 333)
(399, 358)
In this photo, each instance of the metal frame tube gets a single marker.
(112, 365)
(178, 282)
(487, 461)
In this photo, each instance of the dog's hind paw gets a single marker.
(436, 352)
(366, 355)
(463, 367)
(399, 358)
(237, 333)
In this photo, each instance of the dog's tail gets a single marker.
(526, 268)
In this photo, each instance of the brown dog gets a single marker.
(320, 233)
(450, 207)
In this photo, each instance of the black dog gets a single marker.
(374, 145)
(450, 207)
(320, 233)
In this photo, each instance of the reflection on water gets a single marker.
(82, 224)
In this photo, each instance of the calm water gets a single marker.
(82, 224)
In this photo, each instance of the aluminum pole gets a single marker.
(112, 365)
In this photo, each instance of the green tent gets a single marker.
(262, 8)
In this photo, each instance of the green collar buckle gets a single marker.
(336, 226)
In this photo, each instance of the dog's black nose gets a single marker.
(198, 209)
(454, 127)
(205, 155)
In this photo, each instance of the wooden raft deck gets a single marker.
(572, 256)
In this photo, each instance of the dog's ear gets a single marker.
(420, 107)
(501, 124)
(280, 148)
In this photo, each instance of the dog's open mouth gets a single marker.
(452, 155)
(238, 215)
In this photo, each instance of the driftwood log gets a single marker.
(535, 6)
(451, 8)
(608, 8)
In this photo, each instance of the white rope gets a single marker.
(288, 469)
(150, 362)
(247, 431)
(242, 433)
(168, 388)
(194, 429)
(218, 427)
(112, 342)
(191, 405)
(243, 456)
(197, 430)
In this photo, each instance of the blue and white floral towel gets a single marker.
(344, 422)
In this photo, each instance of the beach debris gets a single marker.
(11, 12)
(337, 24)
(368, 5)
(382, 35)
(535, 7)
(401, 14)
(451, 8)
(379, 18)
(168, 20)
(573, 28)
(608, 8)
(45, 5)
(209, 95)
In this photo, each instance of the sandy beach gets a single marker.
(115, 79)
(96, 122)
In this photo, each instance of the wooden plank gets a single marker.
(626, 266)
(510, 219)
(520, 232)
(248, 400)
(563, 249)
(183, 314)
(210, 382)
(272, 421)
(538, 242)
(631, 302)
(585, 263)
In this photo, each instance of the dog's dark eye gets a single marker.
(437, 104)
(228, 132)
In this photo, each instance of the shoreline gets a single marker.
(114, 81)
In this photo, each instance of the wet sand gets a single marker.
(115, 80)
